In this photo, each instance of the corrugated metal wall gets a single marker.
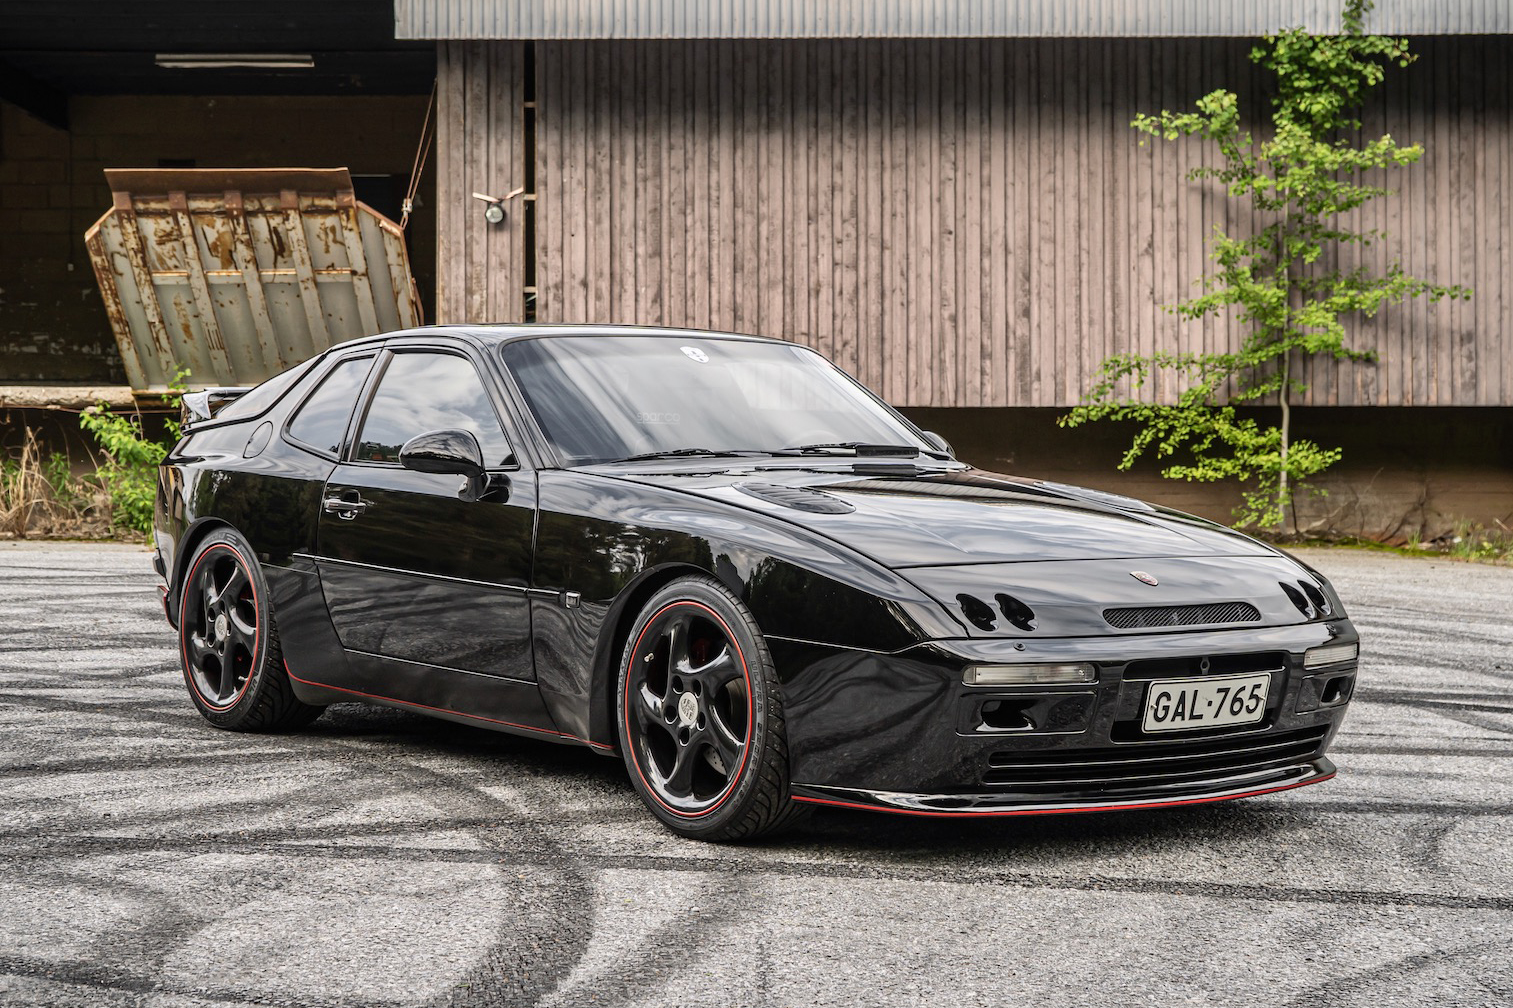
(853, 19)
(962, 223)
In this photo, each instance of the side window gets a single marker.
(422, 392)
(322, 420)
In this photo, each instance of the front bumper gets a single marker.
(998, 804)
(901, 732)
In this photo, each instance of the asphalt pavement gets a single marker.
(380, 858)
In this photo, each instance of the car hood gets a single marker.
(904, 517)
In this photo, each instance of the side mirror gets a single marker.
(939, 443)
(444, 451)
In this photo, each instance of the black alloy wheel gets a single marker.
(701, 725)
(221, 618)
(232, 661)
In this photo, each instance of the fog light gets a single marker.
(1333, 654)
(1029, 675)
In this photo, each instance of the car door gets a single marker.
(427, 584)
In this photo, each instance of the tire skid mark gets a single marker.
(651, 966)
(1448, 808)
(1385, 695)
(128, 641)
(1441, 701)
(1338, 990)
(497, 975)
(125, 710)
(1475, 719)
(944, 874)
(1388, 749)
(1424, 843)
(112, 977)
(208, 814)
(167, 759)
(499, 962)
(1405, 774)
(167, 919)
(514, 970)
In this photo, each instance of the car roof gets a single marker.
(505, 332)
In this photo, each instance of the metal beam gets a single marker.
(841, 19)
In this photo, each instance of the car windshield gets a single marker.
(611, 398)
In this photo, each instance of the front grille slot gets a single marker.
(1186, 615)
(1154, 764)
(1219, 664)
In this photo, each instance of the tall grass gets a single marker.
(39, 495)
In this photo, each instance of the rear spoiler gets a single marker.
(204, 405)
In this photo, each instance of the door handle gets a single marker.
(346, 507)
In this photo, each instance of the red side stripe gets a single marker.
(445, 710)
(1057, 811)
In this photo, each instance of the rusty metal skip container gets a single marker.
(239, 273)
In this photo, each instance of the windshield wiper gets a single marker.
(686, 452)
(859, 448)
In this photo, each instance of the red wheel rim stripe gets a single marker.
(257, 645)
(750, 713)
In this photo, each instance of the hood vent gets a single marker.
(1310, 601)
(1316, 597)
(1188, 615)
(1015, 611)
(978, 612)
(798, 498)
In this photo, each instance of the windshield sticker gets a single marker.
(695, 354)
(643, 416)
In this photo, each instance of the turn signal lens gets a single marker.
(1333, 654)
(1029, 675)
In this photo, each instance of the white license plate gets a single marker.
(1212, 702)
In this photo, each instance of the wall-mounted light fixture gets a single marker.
(494, 211)
(221, 61)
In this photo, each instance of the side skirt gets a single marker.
(513, 694)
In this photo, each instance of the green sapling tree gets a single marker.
(1282, 281)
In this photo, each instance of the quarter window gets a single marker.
(422, 392)
(321, 421)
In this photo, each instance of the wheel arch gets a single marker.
(194, 534)
(622, 615)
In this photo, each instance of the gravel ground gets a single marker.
(381, 858)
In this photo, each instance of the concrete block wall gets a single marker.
(53, 329)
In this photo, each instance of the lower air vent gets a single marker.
(798, 498)
(1188, 615)
(1156, 764)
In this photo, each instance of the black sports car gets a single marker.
(720, 558)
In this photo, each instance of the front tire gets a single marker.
(701, 716)
(228, 645)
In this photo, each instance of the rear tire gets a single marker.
(700, 716)
(228, 644)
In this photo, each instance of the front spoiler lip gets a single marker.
(1314, 771)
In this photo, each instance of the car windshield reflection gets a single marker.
(628, 398)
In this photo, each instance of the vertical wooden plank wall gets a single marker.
(958, 222)
(480, 148)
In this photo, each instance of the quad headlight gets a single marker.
(1030, 675)
(1330, 654)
